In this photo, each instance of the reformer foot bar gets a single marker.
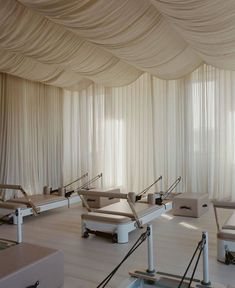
(120, 218)
(33, 204)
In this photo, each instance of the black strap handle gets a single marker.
(34, 285)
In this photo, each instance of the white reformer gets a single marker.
(34, 204)
(226, 233)
(118, 219)
(132, 212)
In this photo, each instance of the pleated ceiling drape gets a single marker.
(70, 43)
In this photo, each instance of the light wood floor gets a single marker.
(88, 261)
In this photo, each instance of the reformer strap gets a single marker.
(138, 222)
(80, 178)
(138, 197)
(171, 188)
(34, 285)
(84, 186)
(139, 241)
(200, 246)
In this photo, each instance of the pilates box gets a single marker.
(27, 265)
(190, 204)
(99, 201)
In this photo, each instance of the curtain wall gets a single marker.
(31, 122)
(132, 134)
(155, 127)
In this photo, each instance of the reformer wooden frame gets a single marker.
(35, 209)
(225, 235)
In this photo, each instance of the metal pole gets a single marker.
(19, 226)
(101, 181)
(151, 269)
(206, 280)
(161, 186)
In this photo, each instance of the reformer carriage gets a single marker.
(38, 203)
(117, 220)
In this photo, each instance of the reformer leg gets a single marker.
(206, 280)
(18, 215)
(151, 269)
(122, 234)
(84, 232)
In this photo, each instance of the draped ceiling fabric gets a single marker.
(70, 43)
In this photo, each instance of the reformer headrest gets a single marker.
(150, 199)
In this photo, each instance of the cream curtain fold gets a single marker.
(155, 127)
(31, 134)
(27, 68)
(111, 132)
(133, 134)
(114, 42)
(207, 25)
(134, 31)
(39, 40)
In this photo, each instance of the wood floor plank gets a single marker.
(89, 261)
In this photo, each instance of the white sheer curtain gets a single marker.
(155, 127)
(31, 124)
(132, 134)
(210, 131)
(111, 132)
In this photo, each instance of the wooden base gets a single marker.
(160, 280)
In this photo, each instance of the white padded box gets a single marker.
(190, 204)
(24, 264)
(99, 201)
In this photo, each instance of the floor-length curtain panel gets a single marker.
(110, 132)
(2, 126)
(168, 111)
(155, 127)
(194, 131)
(83, 132)
(210, 131)
(31, 147)
(129, 135)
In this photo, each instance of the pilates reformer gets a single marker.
(117, 220)
(150, 277)
(225, 233)
(34, 204)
